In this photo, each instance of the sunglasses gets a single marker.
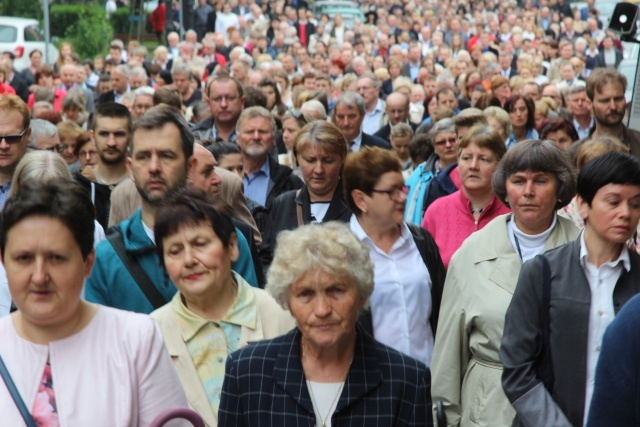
(14, 139)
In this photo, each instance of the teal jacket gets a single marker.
(111, 284)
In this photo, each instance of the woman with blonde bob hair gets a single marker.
(320, 150)
(322, 370)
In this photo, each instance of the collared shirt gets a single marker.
(413, 70)
(602, 282)
(401, 299)
(210, 342)
(355, 144)
(214, 135)
(583, 132)
(512, 140)
(372, 120)
(4, 193)
(256, 185)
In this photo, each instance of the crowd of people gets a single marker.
(278, 218)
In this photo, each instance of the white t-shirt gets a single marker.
(325, 399)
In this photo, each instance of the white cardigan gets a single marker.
(115, 372)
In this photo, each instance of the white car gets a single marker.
(22, 36)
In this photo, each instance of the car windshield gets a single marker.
(32, 33)
(8, 34)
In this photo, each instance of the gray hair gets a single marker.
(577, 87)
(74, 98)
(42, 166)
(350, 99)
(252, 113)
(123, 69)
(181, 68)
(501, 116)
(371, 76)
(138, 72)
(143, 90)
(315, 109)
(537, 156)
(444, 125)
(41, 127)
(319, 248)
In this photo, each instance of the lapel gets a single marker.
(337, 206)
(288, 373)
(183, 363)
(248, 336)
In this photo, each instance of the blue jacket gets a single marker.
(111, 284)
(417, 184)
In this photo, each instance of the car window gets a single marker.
(8, 34)
(32, 33)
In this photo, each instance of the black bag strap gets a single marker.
(137, 272)
(546, 370)
(15, 395)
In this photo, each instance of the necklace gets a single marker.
(477, 211)
(335, 398)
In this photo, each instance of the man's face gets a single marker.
(225, 102)
(505, 62)
(10, 154)
(414, 54)
(397, 108)
(567, 72)
(580, 104)
(181, 81)
(115, 53)
(609, 105)
(567, 51)
(46, 142)
(348, 120)
(157, 164)
(137, 81)
(119, 81)
(112, 138)
(531, 90)
(256, 137)
(36, 59)
(448, 99)
(323, 86)
(239, 71)
(203, 175)
(141, 105)
(80, 75)
(366, 89)
(68, 75)
(552, 92)
(429, 86)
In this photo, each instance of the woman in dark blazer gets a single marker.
(320, 151)
(327, 368)
(551, 341)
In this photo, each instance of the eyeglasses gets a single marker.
(394, 193)
(62, 148)
(90, 153)
(14, 139)
(441, 142)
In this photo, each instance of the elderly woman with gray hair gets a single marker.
(535, 179)
(328, 370)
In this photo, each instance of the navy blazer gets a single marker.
(264, 385)
(374, 141)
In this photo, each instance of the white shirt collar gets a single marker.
(623, 257)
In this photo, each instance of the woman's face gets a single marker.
(88, 154)
(233, 163)
(65, 50)
(68, 154)
(561, 138)
(45, 81)
(196, 260)
(45, 270)
(387, 209)
(290, 129)
(477, 165)
(532, 196)
(502, 92)
(433, 104)
(519, 114)
(73, 113)
(159, 80)
(281, 83)
(320, 170)
(325, 308)
(394, 71)
(271, 96)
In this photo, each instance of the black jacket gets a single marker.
(441, 186)
(374, 141)
(282, 180)
(431, 257)
(283, 215)
(19, 84)
(385, 131)
(100, 196)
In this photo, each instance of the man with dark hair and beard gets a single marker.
(111, 129)
(605, 90)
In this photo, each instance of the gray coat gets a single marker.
(569, 335)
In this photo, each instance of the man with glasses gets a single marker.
(44, 136)
(15, 132)
(368, 86)
(397, 110)
(225, 96)
(111, 129)
(143, 101)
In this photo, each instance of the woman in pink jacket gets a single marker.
(451, 219)
(73, 363)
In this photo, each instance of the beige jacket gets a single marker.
(272, 321)
(480, 282)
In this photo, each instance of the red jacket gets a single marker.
(158, 18)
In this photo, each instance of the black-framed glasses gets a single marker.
(14, 139)
(393, 193)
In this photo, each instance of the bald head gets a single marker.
(397, 108)
(202, 173)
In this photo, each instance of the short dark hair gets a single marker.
(610, 168)
(444, 90)
(64, 201)
(559, 124)
(224, 78)
(112, 110)
(160, 115)
(537, 156)
(420, 148)
(220, 149)
(190, 207)
(528, 102)
(168, 95)
(254, 98)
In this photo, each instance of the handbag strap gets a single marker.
(15, 395)
(135, 269)
(548, 377)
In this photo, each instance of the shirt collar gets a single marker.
(241, 313)
(622, 258)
